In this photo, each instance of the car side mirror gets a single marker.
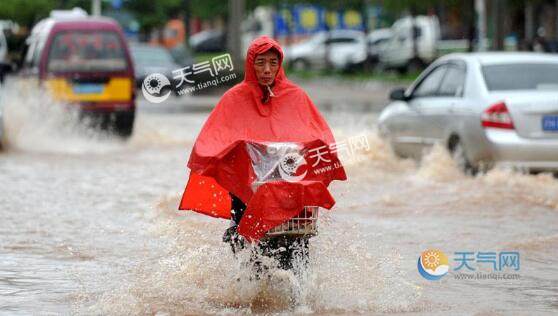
(398, 95)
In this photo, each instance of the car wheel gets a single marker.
(459, 155)
(124, 123)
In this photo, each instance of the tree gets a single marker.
(151, 14)
(24, 13)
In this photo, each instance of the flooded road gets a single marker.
(89, 226)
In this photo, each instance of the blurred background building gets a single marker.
(213, 26)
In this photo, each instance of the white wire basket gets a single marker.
(304, 224)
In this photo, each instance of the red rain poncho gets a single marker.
(219, 161)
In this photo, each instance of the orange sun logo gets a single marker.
(430, 259)
(433, 264)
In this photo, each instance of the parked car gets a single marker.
(376, 40)
(485, 108)
(413, 44)
(84, 61)
(347, 50)
(149, 59)
(209, 41)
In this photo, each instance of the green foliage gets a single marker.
(207, 9)
(24, 12)
(151, 14)
(29, 12)
(403, 79)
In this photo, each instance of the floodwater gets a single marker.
(89, 226)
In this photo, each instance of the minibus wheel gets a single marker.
(124, 123)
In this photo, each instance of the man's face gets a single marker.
(266, 66)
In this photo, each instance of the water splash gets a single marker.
(438, 165)
(197, 273)
(34, 122)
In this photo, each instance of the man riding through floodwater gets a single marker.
(257, 157)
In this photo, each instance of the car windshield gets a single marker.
(151, 56)
(86, 51)
(525, 76)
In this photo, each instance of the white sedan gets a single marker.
(347, 49)
(486, 108)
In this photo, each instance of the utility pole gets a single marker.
(234, 32)
(469, 9)
(414, 33)
(186, 21)
(529, 23)
(498, 24)
(327, 48)
(480, 8)
(96, 7)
